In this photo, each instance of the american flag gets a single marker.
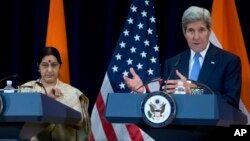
(137, 47)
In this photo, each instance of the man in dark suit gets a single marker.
(219, 71)
(202, 64)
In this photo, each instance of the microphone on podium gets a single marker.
(145, 84)
(159, 78)
(171, 73)
(174, 68)
(202, 86)
(8, 83)
(10, 76)
(41, 85)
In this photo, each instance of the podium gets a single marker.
(35, 108)
(195, 115)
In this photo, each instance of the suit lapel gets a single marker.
(209, 64)
(184, 63)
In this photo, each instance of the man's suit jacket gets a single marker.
(221, 72)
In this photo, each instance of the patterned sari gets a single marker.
(73, 98)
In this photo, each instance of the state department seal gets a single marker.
(158, 109)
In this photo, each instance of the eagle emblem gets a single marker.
(156, 110)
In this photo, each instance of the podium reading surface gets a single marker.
(196, 115)
(191, 110)
(21, 108)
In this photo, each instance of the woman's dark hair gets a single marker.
(49, 51)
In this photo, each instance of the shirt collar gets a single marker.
(203, 53)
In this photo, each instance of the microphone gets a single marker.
(202, 86)
(154, 79)
(171, 72)
(41, 85)
(158, 79)
(7, 77)
(143, 85)
(10, 76)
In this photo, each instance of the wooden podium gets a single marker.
(24, 113)
(195, 115)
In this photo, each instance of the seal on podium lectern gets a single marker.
(158, 109)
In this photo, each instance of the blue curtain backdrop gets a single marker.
(23, 29)
(93, 28)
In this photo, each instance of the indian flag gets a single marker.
(56, 36)
(226, 27)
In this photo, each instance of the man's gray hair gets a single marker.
(195, 13)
